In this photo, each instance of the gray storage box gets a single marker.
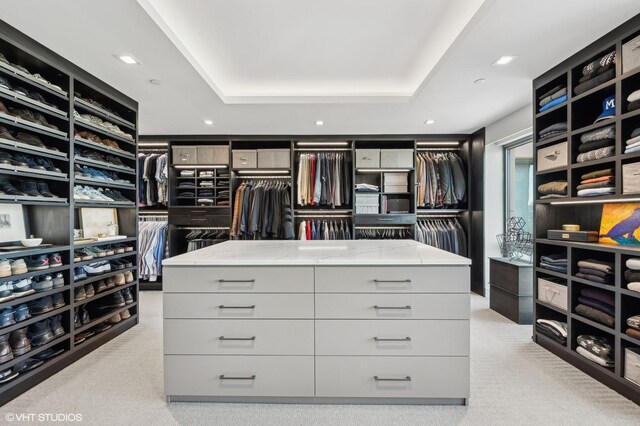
(631, 54)
(396, 158)
(213, 155)
(367, 200)
(553, 156)
(553, 293)
(274, 158)
(245, 159)
(631, 178)
(632, 365)
(368, 158)
(185, 155)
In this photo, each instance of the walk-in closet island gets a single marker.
(365, 321)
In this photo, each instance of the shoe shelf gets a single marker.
(80, 122)
(33, 127)
(97, 146)
(98, 203)
(103, 318)
(32, 103)
(35, 351)
(105, 258)
(29, 172)
(104, 165)
(34, 251)
(102, 183)
(31, 149)
(97, 340)
(106, 115)
(33, 319)
(33, 201)
(32, 274)
(13, 72)
(104, 293)
(94, 278)
(101, 243)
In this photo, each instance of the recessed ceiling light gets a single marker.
(209, 122)
(430, 122)
(128, 59)
(155, 82)
(319, 123)
(480, 81)
(504, 60)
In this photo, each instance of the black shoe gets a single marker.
(40, 333)
(100, 286)
(6, 354)
(43, 189)
(77, 322)
(30, 187)
(28, 365)
(56, 326)
(49, 353)
(57, 300)
(47, 164)
(29, 161)
(30, 139)
(117, 265)
(8, 375)
(19, 342)
(128, 298)
(100, 328)
(6, 158)
(112, 301)
(84, 315)
(9, 189)
(41, 306)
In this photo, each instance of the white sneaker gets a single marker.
(5, 268)
(22, 287)
(18, 266)
(6, 291)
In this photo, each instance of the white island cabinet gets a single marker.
(381, 322)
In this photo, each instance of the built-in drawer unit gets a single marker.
(199, 216)
(229, 279)
(274, 158)
(553, 293)
(393, 279)
(245, 158)
(632, 365)
(184, 155)
(213, 154)
(392, 377)
(553, 156)
(396, 158)
(238, 305)
(238, 337)
(207, 375)
(368, 158)
(392, 337)
(631, 178)
(392, 306)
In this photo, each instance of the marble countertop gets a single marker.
(358, 252)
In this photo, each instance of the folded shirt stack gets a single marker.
(554, 330)
(365, 187)
(205, 193)
(186, 194)
(553, 97)
(597, 144)
(206, 173)
(206, 183)
(555, 189)
(596, 73)
(597, 305)
(634, 101)
(186, 185)
(552, 131)
(599, 182)
(555, 262)
(187, 173)
(595, 270)
(633, 143)
(597, 349)
(632, 274)
(634, 327)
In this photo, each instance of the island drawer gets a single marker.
(392, 306)
(393, 337)
(392, 279)
(228, 305)
(211, 375)
(397, 377)
(229, 279)
(238, 337)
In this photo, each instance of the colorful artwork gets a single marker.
(620, 224)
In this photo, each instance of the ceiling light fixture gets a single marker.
(430, 122)
(128, 59)
(480, 81)
(322, 143)
(319, 123)
(155, 82)
(503, 60)
(153, 143)
(208, 122)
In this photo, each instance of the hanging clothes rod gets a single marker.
(384, 227)
(243, 177)
(322, 149)
(204, 228)
(438, 149)
(154, 212)
(337, 211)
(332, 216)
(438, 216)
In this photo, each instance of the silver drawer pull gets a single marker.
(237, 307)
(391, 379)
(402, 339)
(237, 338)
(367, 158)
(391, 307)
(223, 377)
(237, 281)
(391, 281)
(196, 220)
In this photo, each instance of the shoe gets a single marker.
(121, 246)
(47, 164)
(78, 339)
(57, 300)
(8, 375)
(6, 158)
(100, 328)
(117, 249)
(77, 322)
(43, 189)
(30, 139)
(19, 342)
(78, 193)
(30, 187)
(79, 274)
(117, 265)
(89, 290)
(22, 287)
(58, 280)
(128, 277)
(21, 313)
(128, 263)
(81, 255)
(55, 260)
(110, 283)
(114, 319)
(97, 268)
(56, 326)
(112, 301)
(85, 335)
(79, 294)
(40, 333)
(80, 172)
(42, 283)
(5, 268)
(40, 119)
(119, 279)
(21, 90)
(49, 353)
(128, 297)
(6, 353)
(9, 189)
(3, 81)
(37, 263)
(28, 161)
(98, 252)
(6, 317)
(100, 286)
(6, 291)
(76, 257)
(115, 160)
(84, 315)
(41, 306)
(125, 315)
(108, 250)
(27, 365)
(88, 254)
(18, 266)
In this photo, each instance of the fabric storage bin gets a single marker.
(631, 178)
(398, 205)
(396, 178)
(274, 158)
(553, 156)
(245, 159)
(395, 188)
(367, 209)
(367, 200)
(631, 54)
(213, 154)
(553, 293)
(185, 155)
(368, 158)
(632, 365)
(396, 158)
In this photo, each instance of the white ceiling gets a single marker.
(266, 59)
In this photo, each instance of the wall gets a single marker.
(505, 130)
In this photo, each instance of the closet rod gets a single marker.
(322, 149)
(198, 228)
(243, 177)
(438, 216)
(384, 227)
(332, 216)
(437, 149)
(337, 211)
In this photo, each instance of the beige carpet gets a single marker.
(513, 382)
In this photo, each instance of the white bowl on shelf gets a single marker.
(31, 242)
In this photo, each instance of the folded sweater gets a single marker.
(555, 258)
(595, 315)
(608, 132)
(594, 82)
(557, 127)
(595, 73)
(633, 263)
(591, 145)
(598, 180)
(603, 296)
(634, 286)
(555, 187)
(606, 184)
(548, 333)
(597, 174)
(634, 322)
(632, 276)
(633, 333)
(600, 265)
(552, 97)
(634, 96)
(633, 106)
(559, 326)
(598, 345)
(591, 357)
(633, 141)
(596, 154)
(594, 192)
(596, 272)
(594, 278)
(605, 60)
(553, 103)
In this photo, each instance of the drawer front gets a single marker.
(392, 306)
(553, 293)
(225, 279)
(213, 155)
(247, 306)
(631, 178)
(553, 156)
(368, 158)
(245, 159)
(238, 337)
(274, 158)
(393, 337)
(202, 375)
(631, 55)
(632, 365)
(386, 219)
(396, 158)
(199, 217)
(415, 377)
(185, 155)
(395, 279)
